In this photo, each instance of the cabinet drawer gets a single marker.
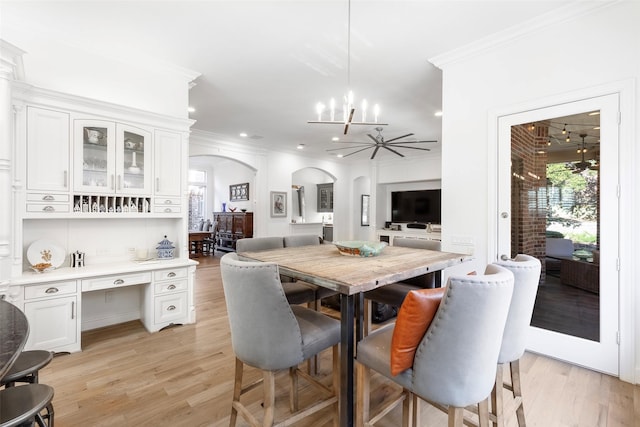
(177, 273)
(47, 208)
(49, 290)
(170, 286)
(166, 209)
(168, 201)
(170, 308)
(47, 197)
(115, 281)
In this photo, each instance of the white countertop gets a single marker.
(71, 273)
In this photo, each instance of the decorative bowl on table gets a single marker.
(360, 248)
(42, 267)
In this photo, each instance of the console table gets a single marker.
(231, 226)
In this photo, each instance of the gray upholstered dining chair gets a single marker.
(270, 334)
(395, 293)
(296, 292)
(456, 358)
(526, 272)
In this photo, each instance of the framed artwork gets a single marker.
(239, 192)
(278, 204)
(364, 210)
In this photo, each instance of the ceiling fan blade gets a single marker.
(372, 137)
(357, 151)
(399, 137)
(375, 152)
(347, 148)
(353, 142)
(393, 151)
(412, 148)
(412, 142)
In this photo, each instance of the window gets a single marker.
(197, 197)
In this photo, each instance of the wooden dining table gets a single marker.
(351, 276)
(197, 240)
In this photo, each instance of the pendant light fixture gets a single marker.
(328, 115)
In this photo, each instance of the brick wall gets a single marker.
(528, 184)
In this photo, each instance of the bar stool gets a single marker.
(26, 367)
(24, 404)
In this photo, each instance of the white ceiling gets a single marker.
(265, 64)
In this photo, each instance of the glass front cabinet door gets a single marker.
(111, 158)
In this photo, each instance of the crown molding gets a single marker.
(568, 12)
(32, 95)
(11, 60)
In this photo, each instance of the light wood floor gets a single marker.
(183, 376)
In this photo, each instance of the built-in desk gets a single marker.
(53, 301)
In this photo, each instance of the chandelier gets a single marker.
(328, 115)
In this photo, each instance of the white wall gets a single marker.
(274, 172)
(596, 49)
(70, 69)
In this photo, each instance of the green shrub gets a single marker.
(554, 234)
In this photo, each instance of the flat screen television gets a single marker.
(416, 206)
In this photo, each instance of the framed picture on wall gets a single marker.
(364, 210)
(239, 192)
(278, 204)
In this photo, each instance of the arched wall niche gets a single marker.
(304, 194)
(222, 172)
(362, 186)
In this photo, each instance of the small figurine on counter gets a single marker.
(94, 207)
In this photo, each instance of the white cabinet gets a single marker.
(47, 150)
(52, 312)
(166, 301)
(167, 165)
(111, 158)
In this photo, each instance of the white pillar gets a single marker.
(10, 70)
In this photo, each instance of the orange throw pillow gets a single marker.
(415, 316)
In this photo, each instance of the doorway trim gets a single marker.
(629, 366)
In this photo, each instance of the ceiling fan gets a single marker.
(581, 166)
(379, 142)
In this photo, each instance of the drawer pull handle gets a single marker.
(48, 209)
(51, 291)
(171, 287)
(171, 308)
(167, 202)
(172, 274)
(167, 210)
(118, 282)
(48, 197)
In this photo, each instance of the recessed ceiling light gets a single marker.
(339, 156)
(243, 134)
(300, 147)
(191, 109)
(594, 113)
(335, 139)
(438, 114)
